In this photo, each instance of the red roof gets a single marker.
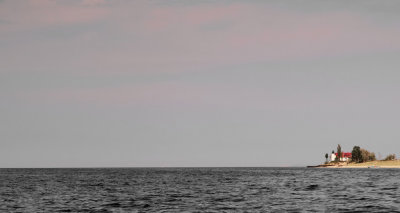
(345, 154)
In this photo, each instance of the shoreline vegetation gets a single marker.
(358, 158)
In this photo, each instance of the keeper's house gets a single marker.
(345, 156)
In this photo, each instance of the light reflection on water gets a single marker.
(199, 190)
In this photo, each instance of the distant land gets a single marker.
(357, 158)
(370, 164)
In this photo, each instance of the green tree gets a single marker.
(356, 155)
(339, 153)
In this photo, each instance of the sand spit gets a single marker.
(371, 164)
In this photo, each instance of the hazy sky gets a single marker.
(196, 83)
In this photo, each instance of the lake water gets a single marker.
(199, 190)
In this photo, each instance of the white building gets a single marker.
(333, 157)
(345, 156)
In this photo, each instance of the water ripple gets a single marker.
(199, 190)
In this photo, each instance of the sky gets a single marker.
(120, 83)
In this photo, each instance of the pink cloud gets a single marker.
(22, 15)
(93, 2)
(218, 34)
(154, 37)
(163, 18)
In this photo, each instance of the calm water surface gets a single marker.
(199, 190)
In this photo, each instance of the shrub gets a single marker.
(371, 156)
(367, 156)
(390, 157)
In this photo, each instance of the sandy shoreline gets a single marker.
(371, 164)
(359, 167)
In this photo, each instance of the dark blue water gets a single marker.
(199, 190)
